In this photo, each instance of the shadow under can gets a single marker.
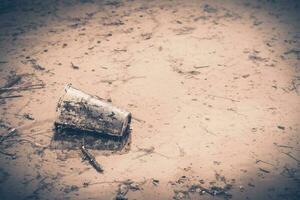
(72, 138)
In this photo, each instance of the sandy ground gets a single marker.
(214, 85)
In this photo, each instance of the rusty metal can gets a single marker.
(78, 110)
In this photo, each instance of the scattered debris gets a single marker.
(251, 185)
(113, 3)
(12, 80)
(209, 9)
(177, 67)
(184, 30)
(155, 182)
(192, 185)
(10, 133)
(134, 186)
(71, 188)
(182, 180)
(146, 36)
(35, 65)
(120, 197)
(146, 151)
(124, 188)
(92, 111)
(74, 66)
(217, 162)
(179, 195)
(213, 190)
(246, 75)
(114, 23)
(295, 84)
(242, 189)
(257, 22)
(28, 116)
(255, 57)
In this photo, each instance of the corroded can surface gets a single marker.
(85, 112)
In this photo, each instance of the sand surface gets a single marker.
(213, 87)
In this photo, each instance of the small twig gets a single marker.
(118, 50)
(162, 155)
(203, 66)
(40, 132)
(257, 161)
(132, 77)
(9, 97)
(181, 150)
(138, 120)
(29, 87)
(10, 133)
(148, 151)
(28, 141)
(88, 156)
(105, 182)
(233, 100)
(74, 66)
(284, 146)
(13, 80)
(109, 81)
(7, 154)
(291, 156)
